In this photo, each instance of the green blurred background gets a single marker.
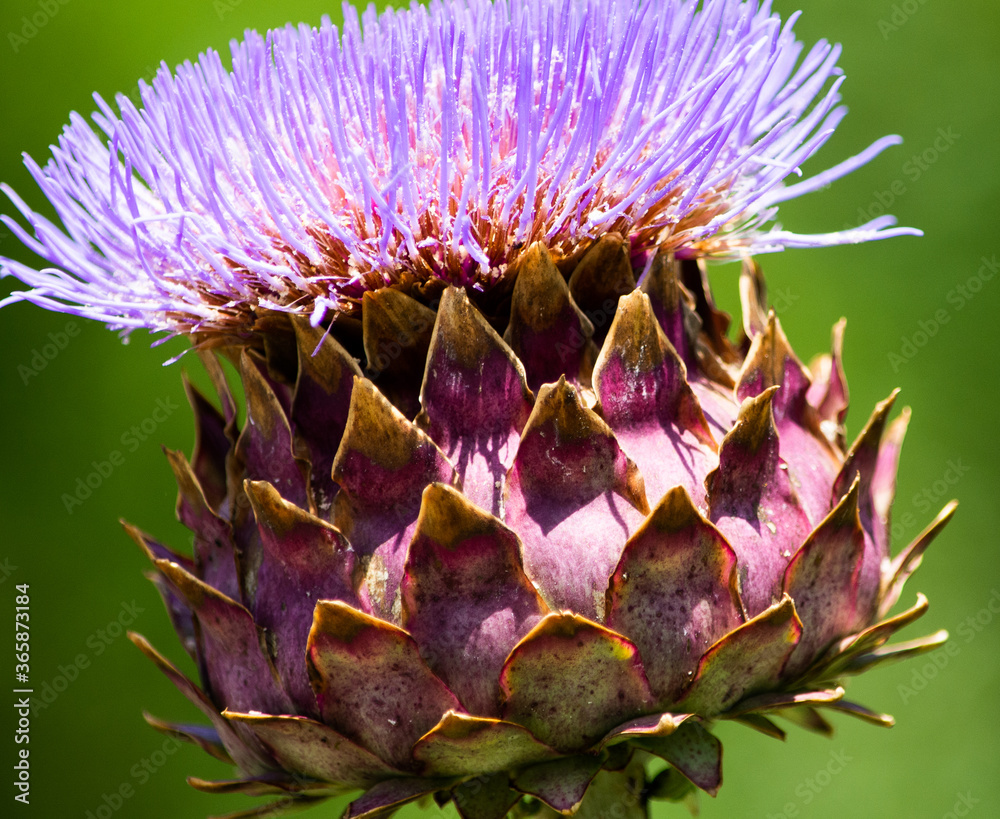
(917, 68)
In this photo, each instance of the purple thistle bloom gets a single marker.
(432, 142)
(517, 530)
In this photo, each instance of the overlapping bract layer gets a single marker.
(593, 527)
(434, 142)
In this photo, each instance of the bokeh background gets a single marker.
(920, 68)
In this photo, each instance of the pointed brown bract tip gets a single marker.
(377, 430)
(396, 328)
(639, 376)
(762, 725)
(837, 340)
(396, 334)
(862, 713)
(846, 513)
(536, 254)
(268, 506)
(338, 621)
(861, 458)
(635, 336)
(276, 514)
(474, 387)
(753, 298)
(635, 489)
(187, 688)
(192, 505)
(602, 275)
(844, 653)
(662, 283)
(780, 701)
(568, 625)
(262, 404)
(140, 642)
(220, 384)
(182, 470)
(781, 614)
(140, 538)
(560, 624)
(768, 359)
(872, 433)
(673, 306)
(448, 518)
(755, 424)
(193, 590)
(896, 431)
(266, 447)
(455, 725)
(540, 297)
(272, 785)
(896, 652)
(559, 404)
(321, 358)
(828, 394)
(909, 560)
(463, 334)
(653, 725)
(205, 737)
(155, 722)
(674, 513)
(558, 409)
(547, 331)
(882, 409)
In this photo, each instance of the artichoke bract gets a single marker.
(513, 518)
(532, 579)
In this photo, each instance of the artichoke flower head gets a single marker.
(513, 520)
